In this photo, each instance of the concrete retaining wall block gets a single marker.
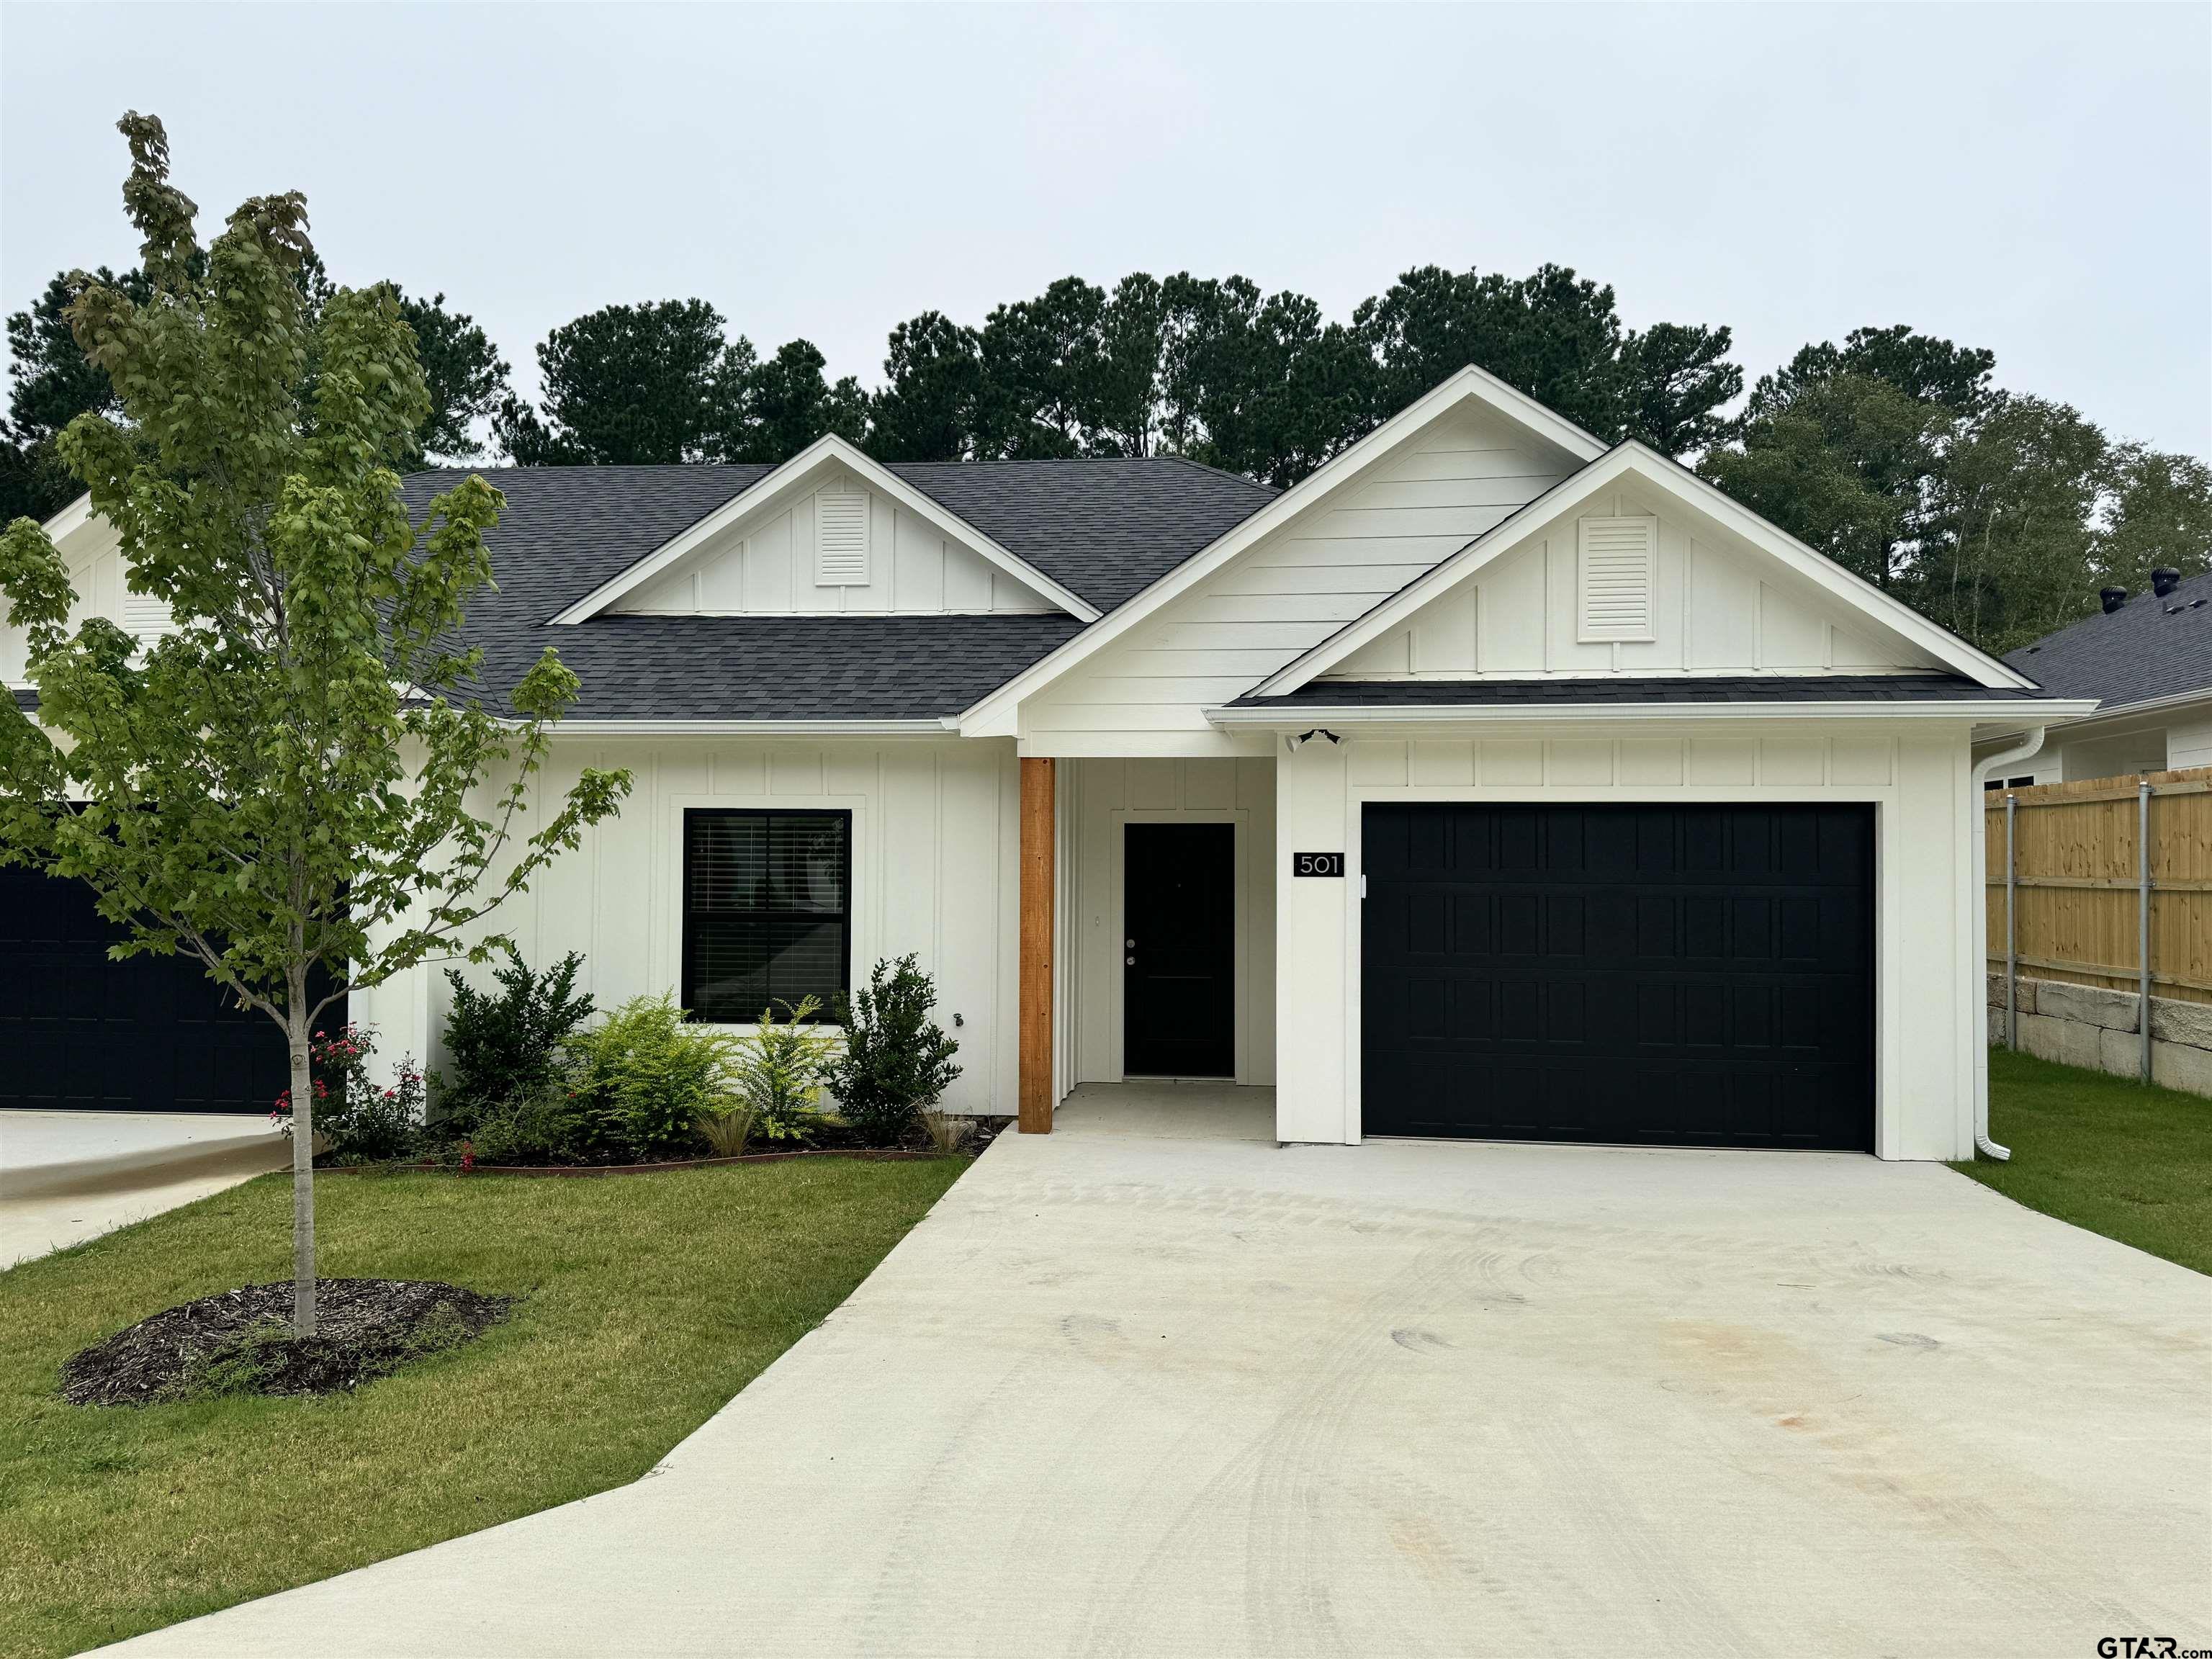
(2091, 1027)
(2092, 1004)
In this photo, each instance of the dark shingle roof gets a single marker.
(781, 668)
(1746, 688)
(2149, 647)
(1103, 529)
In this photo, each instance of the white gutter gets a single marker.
(2106, 712)
(1289, 716)
(2027, 747)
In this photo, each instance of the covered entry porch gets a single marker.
(1147, 946)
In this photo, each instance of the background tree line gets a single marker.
(1999, 514)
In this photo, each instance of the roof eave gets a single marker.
(931, 726)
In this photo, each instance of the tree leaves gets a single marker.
(295, 777)
(1998, 515)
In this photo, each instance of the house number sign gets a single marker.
(1316, 864)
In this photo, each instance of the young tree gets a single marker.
(300, 787)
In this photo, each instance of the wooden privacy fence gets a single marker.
(2106, 882)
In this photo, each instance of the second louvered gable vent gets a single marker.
(147, 617)
(841, 541)
(1620, 574)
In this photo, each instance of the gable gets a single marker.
(1624, 583)
(1464, 472)
(838, 547)
(1796, 612)
(1473, 413)
(820, 547)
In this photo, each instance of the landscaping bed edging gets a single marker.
(880, 1153)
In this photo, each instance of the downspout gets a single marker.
(2025, 749)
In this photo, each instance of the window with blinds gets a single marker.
(766, 910)
(1620, 578)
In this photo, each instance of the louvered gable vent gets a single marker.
(1619, 577)
(840, 540)
(147, 617)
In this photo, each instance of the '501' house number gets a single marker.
(1316, 864)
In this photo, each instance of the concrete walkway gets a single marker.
(1140, 1394)
(68, 1177)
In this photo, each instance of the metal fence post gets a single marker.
(2012, 950)
(2142, 916)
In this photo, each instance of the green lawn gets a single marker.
(2132, 1162)
(646, 1303)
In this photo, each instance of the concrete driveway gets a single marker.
(1138, 1394)
(68, 1177)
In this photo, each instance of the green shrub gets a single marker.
(646, 1077)
(778, 1071)
(896, 1060)
(505, 1045)
(549, 1125)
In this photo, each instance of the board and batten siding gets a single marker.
(1927, 921)
(1462, 475)
(935, 871)
(1104, 797)
(765, 566)
(1720, 609)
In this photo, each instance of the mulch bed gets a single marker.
(240, 1341)
(984, 1132)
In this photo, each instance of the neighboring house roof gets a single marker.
(2148, 650)
(1679, 689)
(1104, 529)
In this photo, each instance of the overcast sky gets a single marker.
(2036, 179)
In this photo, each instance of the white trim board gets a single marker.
(1693, 494)
(796, 477)
(993, 714)
(1589, 714)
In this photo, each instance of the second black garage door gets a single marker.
(150, 1034)
(1666, 975)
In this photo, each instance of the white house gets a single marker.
(1488, 782)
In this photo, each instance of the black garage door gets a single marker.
(1657, 976)
(80, 1032)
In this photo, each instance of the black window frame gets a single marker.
(827, 1016)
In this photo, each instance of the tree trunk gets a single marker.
(303, 1172)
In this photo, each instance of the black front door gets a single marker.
(1657, 976)
(1179, 950)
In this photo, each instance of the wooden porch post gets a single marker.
(1034, 1075)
